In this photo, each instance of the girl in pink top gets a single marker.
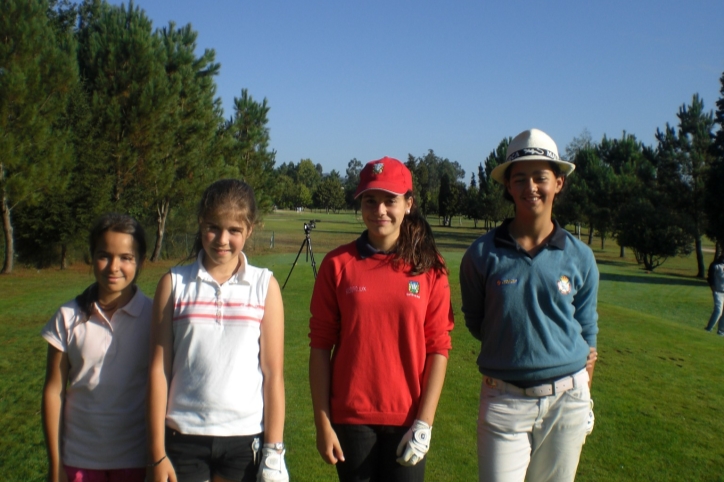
(97, 367)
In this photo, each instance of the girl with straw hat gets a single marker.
(529, 292)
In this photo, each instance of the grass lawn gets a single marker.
(658, 385)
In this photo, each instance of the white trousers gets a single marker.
(530, 438)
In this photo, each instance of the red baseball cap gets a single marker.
(386, 174)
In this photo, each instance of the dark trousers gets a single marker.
(198, 458)
(370, 453)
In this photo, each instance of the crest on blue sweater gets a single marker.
(564, 285)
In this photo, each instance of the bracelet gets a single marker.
(154, 464)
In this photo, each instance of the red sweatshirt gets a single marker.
(382, 324)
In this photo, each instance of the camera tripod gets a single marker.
(309, 253)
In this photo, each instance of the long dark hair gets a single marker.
(416, 245)
(230, 195)
(116, 223)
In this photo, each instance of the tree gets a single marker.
(188, 162)
(308, 175)
(123, 69)
(473, 207)
(288, 169)
(351, 180)
(329, 194)
(685, 156)
(446, 200)
(38, 72)
(421, 183)
(652, 232)
(495, 207)
(427, 174)
(617, 181)
(574, 206)
(303, 196)
(460, 195)
(48, 230)
(249, 150)
(579, 143)
(714, 201)
(285, 190)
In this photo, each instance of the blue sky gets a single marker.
(365, 79)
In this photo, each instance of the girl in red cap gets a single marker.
(380, 335)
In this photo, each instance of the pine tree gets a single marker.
(714, 201)
(495, 207)
(351, 180)
(685, 156)
(38, 71)
(427, 172)
(473, 206)
(614, 181)
(446, 200)
(247, 150)
(187, 162)
(123, 69)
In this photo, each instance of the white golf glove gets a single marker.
(414, 444)
(272, 467)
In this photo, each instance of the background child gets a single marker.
(715, 278)
(382, 303)
(216, 379)
(95, 382)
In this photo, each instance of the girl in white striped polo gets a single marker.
(216, 397)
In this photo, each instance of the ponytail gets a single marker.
(86, 299)
(416, 245)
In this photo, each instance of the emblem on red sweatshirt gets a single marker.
(413, 287)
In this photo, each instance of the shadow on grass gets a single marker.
(446, 240)
(648, 279)
(610, 262)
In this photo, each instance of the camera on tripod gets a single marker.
(307, 243)
(309, 226)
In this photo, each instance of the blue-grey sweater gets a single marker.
(535, 316)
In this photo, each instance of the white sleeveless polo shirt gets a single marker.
(216, 379)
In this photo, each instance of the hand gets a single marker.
(272, 467)
(591, 358)
(414, 444)
(590, 364)
(328, 445)
(163, 472)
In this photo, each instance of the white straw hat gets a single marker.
(531, 145)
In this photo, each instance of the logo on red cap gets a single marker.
(386, 174)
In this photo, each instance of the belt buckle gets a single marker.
(541, 390)
(491, 382)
